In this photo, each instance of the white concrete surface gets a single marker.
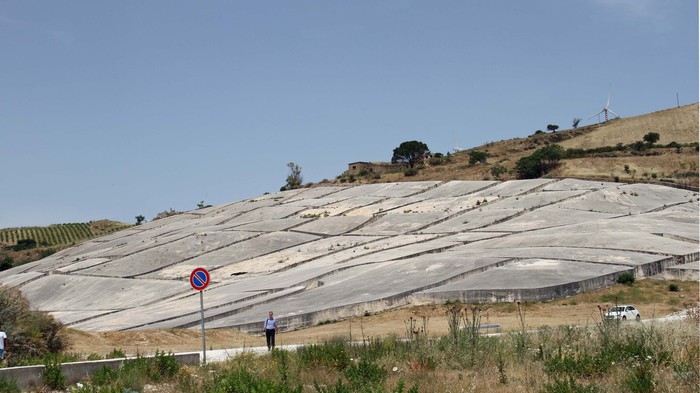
(331, 252)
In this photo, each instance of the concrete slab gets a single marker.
(273, 225)
(20, 278)
(157, 258)
(234, 253)
(397, 224)
(96, 293)
(514, 188)
(546, 217)
(368, 247)
(536, 279)
(577, 184)
(457, 188)
(333, 226)
(473, 219)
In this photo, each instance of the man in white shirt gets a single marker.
(270, 327)
(3, 343)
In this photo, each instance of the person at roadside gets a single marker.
(3, 343)
(270, 329)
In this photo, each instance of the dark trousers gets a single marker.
(270, 336)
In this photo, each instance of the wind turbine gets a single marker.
(605, 109)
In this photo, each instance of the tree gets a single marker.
(540, 162)
(140, 219)
(410, 152)
(294, 179)
(651, 138)
(575, 122)
(552, 127)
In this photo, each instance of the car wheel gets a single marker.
(639, 317)
(624, 317)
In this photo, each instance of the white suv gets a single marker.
(623, 312)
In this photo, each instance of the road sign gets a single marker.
(199, 279)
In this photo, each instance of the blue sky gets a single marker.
(109, 110)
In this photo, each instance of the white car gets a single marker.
(623, 312)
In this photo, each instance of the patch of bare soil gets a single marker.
(652, 297)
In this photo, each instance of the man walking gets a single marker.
(270, 329)
(3, 343)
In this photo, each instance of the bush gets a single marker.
(365, 374)
(437, 161)
(32, 334)
(497, 171)
(8, 386)
(673, 287)
(53, 374)
(331, 355)
(243, 381)
(7, 263)
(410, 172)
(24, 244)
(626, 278)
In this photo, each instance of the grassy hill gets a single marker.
(668, 165)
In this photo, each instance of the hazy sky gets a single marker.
(113, 109)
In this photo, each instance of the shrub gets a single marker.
(8, 386)
(53, 374)
(477, 157)
(410, 172)
(24, 244)
(243, 381)
(365, 374)
(497, 171)
(673, 287)
(33, 334)
(626, 278)
(437, 161)
(330, 354)
(104, 376)
(7, 263)
(116, 354)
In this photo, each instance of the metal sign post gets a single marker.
(204, 340)
(199, 279)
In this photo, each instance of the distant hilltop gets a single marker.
(615, 150)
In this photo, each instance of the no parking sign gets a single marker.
(199, 279)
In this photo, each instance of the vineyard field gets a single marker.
(59, 234)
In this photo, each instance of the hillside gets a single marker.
(673, 166)
(328, 253)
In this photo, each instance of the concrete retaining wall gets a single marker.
(526, 294)
(31, 376)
